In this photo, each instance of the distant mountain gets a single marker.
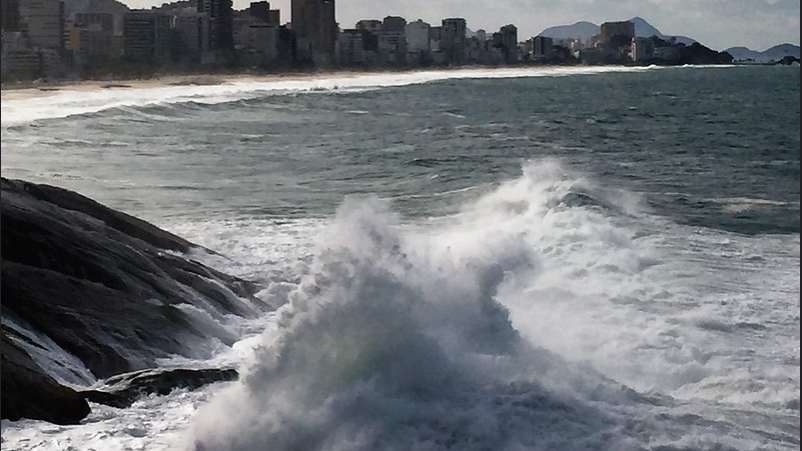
(775, 53)
(645, 29)
(584, 30)
(580, 30)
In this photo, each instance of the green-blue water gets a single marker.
(639, 226)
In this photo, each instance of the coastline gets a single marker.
(44, 88)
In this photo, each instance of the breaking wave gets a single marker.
(428, 337)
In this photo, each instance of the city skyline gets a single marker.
(718, 24)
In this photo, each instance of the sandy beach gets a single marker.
(11, 91)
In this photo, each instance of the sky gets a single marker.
(718, 24)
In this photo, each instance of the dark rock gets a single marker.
(70, 200)
(100, 284)
(698, 54)
(30, 393)
(787, 60)
(112, 290)
(123, 390)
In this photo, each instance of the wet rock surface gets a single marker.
(112, 290)
(125, 389)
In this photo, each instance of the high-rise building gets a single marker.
(453, 39)
(274, 17)
(221, 13)
(259, 44)
(9, 15)
(260, 10)
(315, 27)
(617, 34)
(43, 23)
(642, 49)
(508, 43)
(417, 34)
(542, 47)
(194, 36)
(371, 25)
(350, 47)
(92, 34)
(146, 36)
(392, 47)
(104, 20)
(394, 24)
(89, 41)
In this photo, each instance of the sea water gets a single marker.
(519, 259)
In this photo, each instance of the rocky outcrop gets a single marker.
(698, 54)
(123, 390)
(28, 392)
(108, 288)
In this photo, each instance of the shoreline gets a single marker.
(43, 88)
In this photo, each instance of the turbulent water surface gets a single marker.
(557, 259)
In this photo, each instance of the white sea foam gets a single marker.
(397, 335)
(394, 339)
(71, 102)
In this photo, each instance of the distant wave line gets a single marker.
(69, 102)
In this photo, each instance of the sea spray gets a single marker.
(396, 343)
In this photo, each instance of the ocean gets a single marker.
(584, 258)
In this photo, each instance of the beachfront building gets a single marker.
(193, 36)
(418, 44)
(642, 49)
(102, 21)
(42, 22)
(392, 48)
(394, 24)
(10, 15)
(261, 10)
(315, 28)
(91, 37)
(90, 41)
(371, 25)
(221, 13)
(617, 34)
(453, 39)
(506, 40)
(259, 45)
(351, 47)
(542, 48)
(147, 36)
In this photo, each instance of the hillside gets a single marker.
(580, 30)
(584, 30)
(775, 53)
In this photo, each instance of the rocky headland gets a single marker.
(108, 289)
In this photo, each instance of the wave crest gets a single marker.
(395, 342)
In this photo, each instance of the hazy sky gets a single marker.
(718, 24)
